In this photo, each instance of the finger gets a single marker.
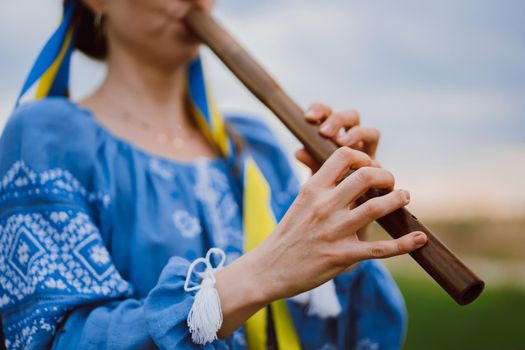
(336, 121)
(338, 165)
(369, 136)
(317, 112)
(376, 164)
(386, 249)
(378, 207)
(351, 117)
(304, 157)
(360, 181)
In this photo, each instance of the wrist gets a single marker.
(243, 290)
(243, 278)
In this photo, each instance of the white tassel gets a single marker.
(205, 317)
(321, 301)
(301, 299)
(324, 302)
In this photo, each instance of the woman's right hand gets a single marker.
(317, 238)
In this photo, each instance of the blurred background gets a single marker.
(443, 80)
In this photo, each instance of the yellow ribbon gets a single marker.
(258, 220)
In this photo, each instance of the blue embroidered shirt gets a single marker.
(96, 236)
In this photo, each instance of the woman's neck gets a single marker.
(147, 105)
(149, 92)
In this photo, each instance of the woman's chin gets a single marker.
(180, 33)
(183, 54)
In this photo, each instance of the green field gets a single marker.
(495, 250)
(495, 321)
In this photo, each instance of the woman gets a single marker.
(105, 202)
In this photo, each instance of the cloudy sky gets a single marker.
(443, 80)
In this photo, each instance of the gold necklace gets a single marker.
(177, 142)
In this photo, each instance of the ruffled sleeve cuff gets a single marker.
(167, 308)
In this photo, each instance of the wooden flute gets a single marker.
(434, 257)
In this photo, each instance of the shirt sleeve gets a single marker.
(58, 284)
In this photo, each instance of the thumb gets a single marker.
(389, 248)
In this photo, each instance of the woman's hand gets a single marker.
(343, 128)
(317, 238)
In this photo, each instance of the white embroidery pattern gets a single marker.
(49, 252)
(328, 346)
(187, 224)
(213, 190)
(20, 180)
(38, 257)
(156, 167)
(45, 320)
(290, 191)
(367, 344)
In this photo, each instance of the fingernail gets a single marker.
(310, 113)
(327, 127)
(346, 139)
(420, 238)
(406, 194)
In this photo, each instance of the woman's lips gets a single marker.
(187, 30)
(177, 12)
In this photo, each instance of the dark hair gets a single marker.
(89, 38)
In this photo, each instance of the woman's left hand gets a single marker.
(343, 128)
